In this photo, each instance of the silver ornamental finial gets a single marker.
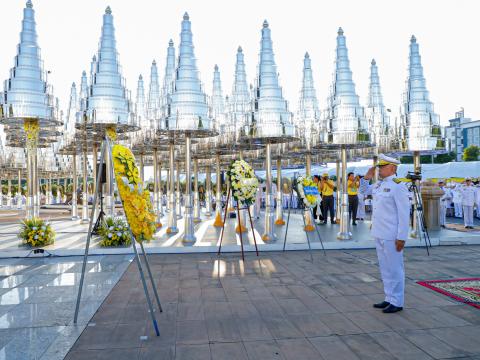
(340, 31)
(170, 43)
(265, 24)
(374, 62)
(108, 10)
(239, 49)
(185, 16)
(413, 39)
(29, 4)
(307, 55)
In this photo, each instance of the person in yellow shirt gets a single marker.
(353, 183)
(327, 187)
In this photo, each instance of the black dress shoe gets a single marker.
(354, 224)
(390, 309)
(381, 305)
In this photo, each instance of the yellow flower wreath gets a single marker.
(136, 201)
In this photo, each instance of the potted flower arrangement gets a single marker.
(114, 232)
(36, 232)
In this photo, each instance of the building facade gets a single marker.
(461, 133)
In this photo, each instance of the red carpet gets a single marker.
(463, 290)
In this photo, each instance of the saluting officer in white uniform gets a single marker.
(390, 225)
(468, 200)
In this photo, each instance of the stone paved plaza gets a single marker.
(37, 302)
(283, 306)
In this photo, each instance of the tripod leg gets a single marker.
(89, 235)
(308, 239)
(224, 220)
(319, 237)
(144, 283)
(253, 230)
(241, 236)
(155, 292)
(288, 219)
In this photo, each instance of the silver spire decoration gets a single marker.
(422, 124)
(239, 102)
(376, 113)
(271, 118)
(169, 75)
(108, 100)
(140, 104)
(218, 102)
(308, 113)
(27, 94)
(153, 102)
(187, 108)
(344, 118)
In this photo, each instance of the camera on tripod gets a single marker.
(414, 175)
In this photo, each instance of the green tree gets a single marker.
(471, 153)
(444, 158)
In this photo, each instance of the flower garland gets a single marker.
(111, 132)
(243, 181)
(114, 232)
(36, 232)
(32, 129)
(136, 201)
(308, 191)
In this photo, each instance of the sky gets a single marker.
(447, 31)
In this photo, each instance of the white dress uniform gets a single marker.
(444, 201)
(390, 222)
(477, 200)
(457, 201)
(468, 200)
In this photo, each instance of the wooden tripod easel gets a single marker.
(106, 150)
(241, 236)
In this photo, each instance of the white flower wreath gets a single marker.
(243, 181)
(308, 191)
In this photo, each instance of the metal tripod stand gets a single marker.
(106, 150)
(302, 207)
(420, 217)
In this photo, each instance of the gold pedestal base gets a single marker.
(240, 228)
(218, 221)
